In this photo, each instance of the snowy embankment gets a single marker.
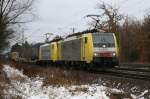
(32, 88)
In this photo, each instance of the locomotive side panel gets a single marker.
(76, 49)
(66, 52)
(71, 50)
(45, 52)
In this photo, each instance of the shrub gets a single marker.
(134, 55)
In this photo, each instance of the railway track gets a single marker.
(133, 69)
(126, 73)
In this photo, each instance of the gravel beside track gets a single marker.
(137, 72)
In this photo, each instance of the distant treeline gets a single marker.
(135, 40)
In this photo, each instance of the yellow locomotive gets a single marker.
(95, 48)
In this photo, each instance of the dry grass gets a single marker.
(2, 79)
(57, 76)
(3, 84)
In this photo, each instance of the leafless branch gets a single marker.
(13, 12)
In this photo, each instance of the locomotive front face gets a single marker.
(104, 47)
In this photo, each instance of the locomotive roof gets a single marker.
(86, 32)
(73, 36)
(46, 44)
(55, 40)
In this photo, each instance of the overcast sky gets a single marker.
(59, 16)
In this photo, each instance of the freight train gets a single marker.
(88, 48)
(83, 49)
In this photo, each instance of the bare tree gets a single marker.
(109, 19)
(146, 25)
(132, 41)
(12, 13)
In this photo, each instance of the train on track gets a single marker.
(86, 48)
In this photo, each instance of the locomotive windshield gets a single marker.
(101, 39)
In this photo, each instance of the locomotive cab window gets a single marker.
(100, 39)
(85, 40)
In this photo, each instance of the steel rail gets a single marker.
(124, 74)
(132, 69)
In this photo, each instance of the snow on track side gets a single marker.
(32, 88)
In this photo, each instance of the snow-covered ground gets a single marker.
(32, 88)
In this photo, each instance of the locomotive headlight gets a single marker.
(114, 54)
(104, 46)
(95, 54)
